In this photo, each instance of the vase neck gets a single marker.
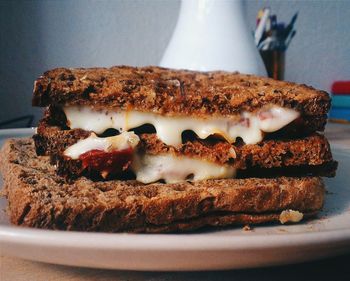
(213, 11)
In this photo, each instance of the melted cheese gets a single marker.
(248, 126)
(151, 168)
(119, 142)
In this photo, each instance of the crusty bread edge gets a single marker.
(48, 91)
(14, 189)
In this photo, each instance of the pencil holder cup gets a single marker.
(274, 61)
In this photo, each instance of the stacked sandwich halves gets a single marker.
(153, 149)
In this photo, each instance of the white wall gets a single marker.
(39, 35)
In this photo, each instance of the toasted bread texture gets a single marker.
(313, 151)
(173, 92)
(38, 197)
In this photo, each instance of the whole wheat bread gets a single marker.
(307, 156)
(174, 92)
(38, 197)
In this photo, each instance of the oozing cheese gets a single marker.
(248, 126)
(151, 168)
(119, 142)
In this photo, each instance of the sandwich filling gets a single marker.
(250, 126)
(117, 154)
(126, 140)
(172, 169)
(111, 155)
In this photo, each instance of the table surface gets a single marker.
(328, 269)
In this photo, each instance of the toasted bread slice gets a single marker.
(174, 92)
(307, 156)
(38, 197)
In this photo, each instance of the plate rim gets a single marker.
(21, 131)
(168, 242)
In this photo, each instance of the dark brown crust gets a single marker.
(219, 220)
(327, 169)
(39, 198)
(313, 150)
(174, 92)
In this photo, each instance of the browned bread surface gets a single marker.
(37, 197)
(313, 150)
(173, 92)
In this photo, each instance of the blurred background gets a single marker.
(40, 35)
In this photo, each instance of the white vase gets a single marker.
(213, 35)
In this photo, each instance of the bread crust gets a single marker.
(173, 92)
(38, 197)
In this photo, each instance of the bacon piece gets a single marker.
(114, 162)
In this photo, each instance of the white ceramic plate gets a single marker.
(222, 249)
